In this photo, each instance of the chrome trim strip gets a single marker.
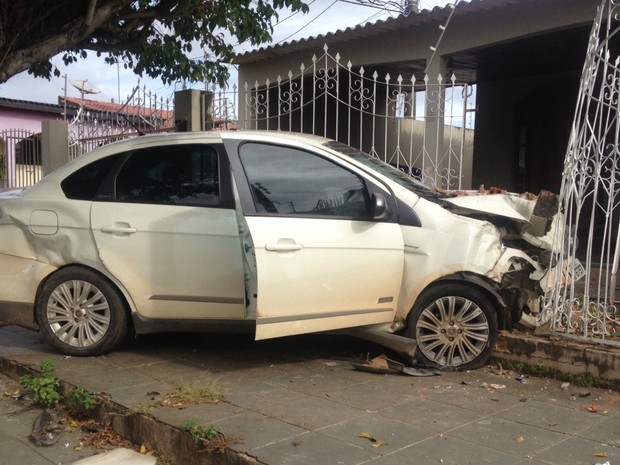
(204, 299)
(314, 316)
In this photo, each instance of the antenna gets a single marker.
(84, 87)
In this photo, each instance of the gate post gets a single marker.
(193, 110)
(433, 121)
(54, 145)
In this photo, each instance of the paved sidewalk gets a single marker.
(299, 401)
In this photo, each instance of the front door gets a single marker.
(322, 262)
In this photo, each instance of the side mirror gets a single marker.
(379, 208)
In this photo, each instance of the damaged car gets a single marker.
(273, 233)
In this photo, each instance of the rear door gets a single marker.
(322, 261)
(170, 234)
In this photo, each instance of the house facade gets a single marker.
(523, 57)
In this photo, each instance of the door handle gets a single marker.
(118, 229)
(283, 245)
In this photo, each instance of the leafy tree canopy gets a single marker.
(153, 37)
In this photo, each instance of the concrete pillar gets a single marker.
(193, 110)
(54, 145)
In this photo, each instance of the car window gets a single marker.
(288, 181)
(85, 182)
(175, 174)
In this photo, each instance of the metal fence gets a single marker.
(91, 125)
(417, 124)
(590, 196)
(20, 158)
(143, 112)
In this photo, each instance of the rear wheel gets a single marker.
(454, 325)
(81, 313)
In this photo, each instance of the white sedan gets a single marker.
(274, 233)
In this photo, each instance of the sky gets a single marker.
(115, 82)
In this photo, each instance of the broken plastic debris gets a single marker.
(383, 365)
(46, 429)
(520, 439)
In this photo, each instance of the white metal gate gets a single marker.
(20, 158)
(590, 195)
(143, 112)
(386, 116)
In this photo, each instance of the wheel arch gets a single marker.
(122, 292)
(477, 282)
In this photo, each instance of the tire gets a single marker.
(454, 325)
(81, 313)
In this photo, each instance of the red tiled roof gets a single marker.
(124, 109)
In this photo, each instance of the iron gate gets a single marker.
(20, 158)
(590, 196)
(386, 116)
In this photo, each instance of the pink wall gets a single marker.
(13, 118)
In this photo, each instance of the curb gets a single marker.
(560, 355)
(171, 442)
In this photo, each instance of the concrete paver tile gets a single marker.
(314, 413)
(577, 397)
(578, 451)
(605, 431)
(368, 397)
(551, 417)
(313, 383)
(257, 395)
(313, 449)
(106, 381)
(481, 400)
(200, 413)
(431, 415)
(389, 435)
(253, 430)
(514, 438)
(139, 396)
(444, 450)
(17, 454)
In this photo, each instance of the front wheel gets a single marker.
(454, 325)
(81, 313)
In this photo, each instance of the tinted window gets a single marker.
(288, 181)
(85, 182)
(176, 174)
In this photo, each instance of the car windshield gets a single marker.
(396, 175)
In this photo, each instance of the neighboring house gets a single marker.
(20, 147)
(26, 115)
(524, 57)
(91, 123)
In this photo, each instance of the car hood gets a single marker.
(534, 218)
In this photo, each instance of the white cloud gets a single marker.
(113, 81)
